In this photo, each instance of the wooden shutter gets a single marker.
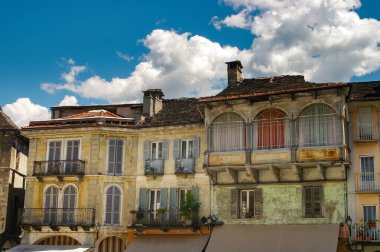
(111, 157)
(108, 219)
(116, 206)
(234, 204)
(313, 201)
(69, 197)
(55, 150)
(173, 198)
(176, 148)
(72, 152)
(258, 212)
(194, 191)
(144, 199)
(165, 149)
(119, 157)
(196, 147)
(163, 199)
(146, 150)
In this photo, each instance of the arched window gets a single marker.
(271, 130)
(113, 198)
(318, 125)
(227, 133)
(50, 205)
(69, 204)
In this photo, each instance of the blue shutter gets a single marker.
(194, 191)
(176, 148)
(146, 150)
(164, 196)
(165, 149)
(173, 198)
(111, 157)
(196, 147)
(144, 199)
(119, 157)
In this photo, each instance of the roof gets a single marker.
(364, 91)
(6, 122)
(261, 87)
(99, 106)
(176, 112)
(93, 114)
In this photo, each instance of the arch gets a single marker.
(227, 133)
(69, 202)
(319, 125)
(112, 205)
(50, 204)
(112, 243)
(57, 240)
(271, 130)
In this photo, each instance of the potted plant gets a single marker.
(188, 208)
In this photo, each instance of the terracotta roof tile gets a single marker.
(92, 114)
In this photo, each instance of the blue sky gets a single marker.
(108, 51)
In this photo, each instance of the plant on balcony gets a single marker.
(371, 223)
(189, 207)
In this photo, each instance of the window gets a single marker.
(51, 205)
(182, 196)
(113, 198)
(156, 150)
(367, 128)
(67, 151)
(369, 213)
(154, 200)
(186, 149)
(227, 133)
(367, 182)
(313, 201)
(72, 155)
(247, 203)
(271, 130)
(319, 125)
(69, 204)
(115, 157)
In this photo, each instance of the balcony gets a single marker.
(366, 132)
(184, 166)
(57, 217)
(58, 167)
(163, 219)
(368, 182)
(154, 167)
(365, 232)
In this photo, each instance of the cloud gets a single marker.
(69, 100)
(124, 56)
(325, 40)
(180, 64)
(22, 111)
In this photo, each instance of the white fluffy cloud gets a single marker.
(180, 64)
(69, 100)
(24, 110)
(325, 40)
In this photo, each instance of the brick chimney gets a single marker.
(152, 102)
(234, 72)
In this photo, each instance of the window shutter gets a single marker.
(163, 199)
(176, 148)
(144, 199)
(258, 203)
(308, 199)
(146, 150)
(196, 147)
(234, 203)
(173, 198)
(116, 207)
(119, 157)
(108, 219)
(111, 157)
(165, 149)
(48, 193)
(194, 191)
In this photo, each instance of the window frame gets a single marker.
(157, 197)
(122, 157)
(321, 202)
(249, 192)
(120, 206)
(155, 156)
(188, 149)
(63, 152)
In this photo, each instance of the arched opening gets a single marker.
(227, 133)
(113, 198)
(57, 240)
(271, 130)
(51, 205)
(69, 204)
(113, 243)
(319, 125)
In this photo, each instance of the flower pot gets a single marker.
(371, 224)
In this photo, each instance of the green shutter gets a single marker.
(176, 148)
(173, 198)
(194, 191)
(144, 199)
(164, 196)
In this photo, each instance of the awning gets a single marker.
(168, 243)
(50, 248)
(274, 238)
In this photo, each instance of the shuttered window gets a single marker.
(113, 203)
(72, 154)
(51, 205)
(69, 201)
(55, 148)
(156, 150)
(246, 203)
(319, 125)
(115, 157)
(227, 133)
(313, 201)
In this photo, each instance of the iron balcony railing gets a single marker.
(57, 217)
(365, 232)
(154, 167)
(368, 182)
(366, 132)
(184, 166)
(163, 218)
(58, 167)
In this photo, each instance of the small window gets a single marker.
(182, 196)
(186, 149)
(156, 150)
(154, 200)
(369, 213)
(313, 201)
(246, 203)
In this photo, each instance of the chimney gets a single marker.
(152, 102)
(234, 72)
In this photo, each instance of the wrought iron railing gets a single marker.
(57, 217)
(368, 182)
(184, 166)
(366, 132)
(365, 232)
(163, 218)
(154, 167)
(58, 167)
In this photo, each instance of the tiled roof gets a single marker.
(287, 84)
(6, 122)
(93, 114)
(176, 112)
(364, 91)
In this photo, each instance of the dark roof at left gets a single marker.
(6, 123)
